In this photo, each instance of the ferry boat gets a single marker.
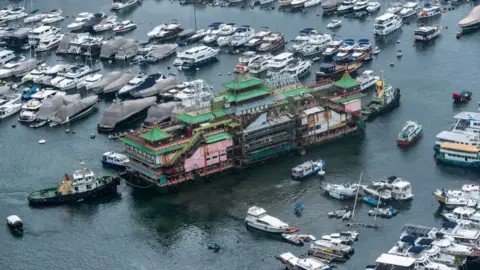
(429, 11)
(367, 79)
(386, 24)
(388, 98)
(458, 155)
(257, 218)
(427, 33)
(341, 191)
(292, 262)
(457, 136)
(411, 133)
(333, 47)
(363, 50)
(83, 185)
(345, 50)
(467, 196)
(461, 96)
(307, 169)
(114, 159)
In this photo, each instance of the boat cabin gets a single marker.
(467, 121)
(395, 262)
(459, 153)
(293, 262)
(5, 56)
(462, 233)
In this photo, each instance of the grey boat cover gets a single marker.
(105, 80)
(159, 87)
(127, 50)
(160, 112)
(64, 43)
(472, 18)
(21, 32)
(118, 83)
(51, 105)
(163, 50)
(4, 89)
(25, 66)
(110, 47)
(121, 110)
(70, 109)
(186, 33)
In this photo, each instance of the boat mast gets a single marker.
(195, 14)
(356, 195)
(376, 211)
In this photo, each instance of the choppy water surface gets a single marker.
(139, 230)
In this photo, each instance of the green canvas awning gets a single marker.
(346, 81)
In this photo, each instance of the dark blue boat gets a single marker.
(372, 201)
(298, 208)
(149, 82)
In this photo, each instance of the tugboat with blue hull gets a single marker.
(82, 186)
(113, 159)
(307, 169)
(388, 98)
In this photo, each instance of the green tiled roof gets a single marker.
(346, 81)
(243, 81)
(217, 137)
(201, 118)
(155, 134)
(148, 150)
(231, 97)
(296, 92)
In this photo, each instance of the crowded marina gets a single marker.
(270, 94)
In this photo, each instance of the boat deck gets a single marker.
(46, 193)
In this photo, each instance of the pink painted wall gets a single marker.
(211, 153)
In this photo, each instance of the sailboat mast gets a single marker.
(195, 14)
(356, 195)
(376, 211)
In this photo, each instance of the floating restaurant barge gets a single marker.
(251, 122)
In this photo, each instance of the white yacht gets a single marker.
(301, 40)
(124, 26)
(260, 65)
(35, 74)
(107, 24)
(49, 42)
(75, 75)
(51, 72)
(311, 3)
(373, 6)
(225, 35)
(6, 56)
(407, 12)
(334, 245)
(463, 213)
(386, 24)
(198, 56)
(258, 39)
(115, 159)
(121, 4)
(294, 263)
(284, 3)
(346, 6)
(9, 104)
(247, 57)
(193, 93)
(367, 79)
(295, 4)
(450, 199)
(154, 33)
(361, 5)
(333, 47)
(426, 33)
(133, 83)
(242, 35)
(35, 18)
(298, 68)
(53, 16)
(89, 80)
(278, 63)
(257, 218)
(14, 14)
(340, 191)
(30, 109)
(429, 11)
(80, 21)
(334, 24)
(41, 32)
(9, 67)
(316, 45)
(400, 189)
(394, 8)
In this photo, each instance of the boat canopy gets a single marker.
(130, 48)
(159, 87)
(409, 239)
(449, 224)
(121, 110)
(71, 109)
(350, 42)
(472, 18)
(346, 81)
(118, 83)
(51, 105)
(160, 112)
(163, 50)
(416, 249)
(105, 80)
(21, 32)
(327, 67)
(425, 241)
(110, 47)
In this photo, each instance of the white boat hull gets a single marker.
(264, 228)
(15, 108)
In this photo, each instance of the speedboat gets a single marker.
(75, 75)
(345, 50)
(115, 159)
(362, 51)
(301, 40)
(334, 24)
(410, 134)
(80, 21)
(360, 5)
(308, 263)
(35, 18)
(316, 45)
(108, 23)
(121, 4)
(53, 16)
(346, 6)
(225, 35)
(341, 191)
(89, 80)
(399, 53)
(48, 43)
(133, 83)
(333, 48)
(297, 4)
(14, 14)
(367, 79)
(307, 169)
(407, 12)
(164, 32)
(311, 3)
(199, 34)
(271, 42)
(210, 36)
(429, 11)
(257, 218)
(394, 8)
(242, 35)
(124, 26)
(373, 6)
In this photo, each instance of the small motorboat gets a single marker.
(383, 212)
(298, 208)
(307, 169)
(292, 230)
(347, 215)
(372, 201)
(376, 50)
(338, 213)
(461, 96)
(15, 224)
(411, 133)
(399, 53)
(39, 124)
(115, 160)
(214, 246)
(334, 24)
(293, 239)
(124, 26)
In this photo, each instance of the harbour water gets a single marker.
(141, 230)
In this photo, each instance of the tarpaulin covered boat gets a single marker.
(472, 20)
(123, 112)
(105, 81)
(118, 83)
(161, 86)
(110, 47)
(160, 112)
(70, 111)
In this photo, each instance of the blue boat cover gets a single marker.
(449, 224)
(363, 40)
(326, 65)
(306, 30)
(425, 241)
(409, 239)
(349, 41)
(416, 249)
(299, 205)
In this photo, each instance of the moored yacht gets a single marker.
(330, 6)
(41, 32)
(260, 65)
(367, 79)
(132, 84)
(363, 50)
(6, 56)
(386, 24)
(89, 80)
(30, 109)
(9, 104)
(165, 32)
(124, 26)
(75, 75)
(107, 24)
(225, 35)
(257, 218)
(399, 189)
(271, 42)
(301, 40)
(407, 12)
(278, 63)
(306, 263)
(13, 14)
(333, 48)
(242, 35)
(450, 199)
(53, 16)
(114, 159)
(253, 43)
(426, 33)
(35, 74)
(80, 21)
(121, 4)
(49, 42)
(193, 93)
(341, 191)
(361, 5)
(198, 56)
(295, 4)
(373, 6)
(429, 11)
(316, 45)
(10, 66)
(211, 34)
(346, 6)
(394, 8)
(345, 50)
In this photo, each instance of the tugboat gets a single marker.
(307, 169)
(84, 185)
(387, 99)
(411, 133)
(461, 96)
